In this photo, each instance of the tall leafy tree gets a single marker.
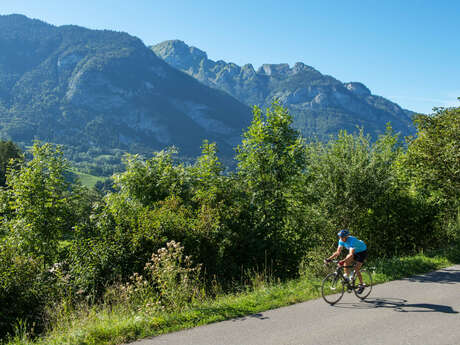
(270, 159)
(351, 173)
(38, 202)
(355, 183)
(433, 159)
(434, 154)
(207, 172)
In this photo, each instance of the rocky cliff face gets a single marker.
(321, 105)
(85, 87)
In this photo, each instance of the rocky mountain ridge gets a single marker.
(321, 105)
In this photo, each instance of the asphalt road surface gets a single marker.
(422, 310)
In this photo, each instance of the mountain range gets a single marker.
(320, 104)
(104, 89)
(92, 88)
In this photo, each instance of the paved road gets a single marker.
(422, 310)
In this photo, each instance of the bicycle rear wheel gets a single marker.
(332, 288)
(367, 282)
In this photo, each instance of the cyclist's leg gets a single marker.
(359, 259)
(358, 272)
(348, 262)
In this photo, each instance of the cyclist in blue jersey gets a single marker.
(357, 252)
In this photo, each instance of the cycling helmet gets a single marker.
(343, 233)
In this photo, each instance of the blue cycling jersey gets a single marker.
(353, 242)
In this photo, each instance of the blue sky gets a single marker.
(406, 51)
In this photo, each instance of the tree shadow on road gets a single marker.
(399, 305)
(445, 276)
(252, 316)
(237, 313)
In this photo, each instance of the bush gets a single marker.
(170, 280)
(23, 289)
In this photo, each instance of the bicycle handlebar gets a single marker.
(338, 263)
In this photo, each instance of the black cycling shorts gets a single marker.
(361, 256)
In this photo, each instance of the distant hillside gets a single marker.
(106, 89)
(321, 105)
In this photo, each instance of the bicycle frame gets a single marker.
(335, 283)
(339, 271)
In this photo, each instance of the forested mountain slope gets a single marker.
(92, 88)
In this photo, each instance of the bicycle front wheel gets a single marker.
(367, 285)
(332, 288)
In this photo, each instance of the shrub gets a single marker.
(170, 280)
(23, 289)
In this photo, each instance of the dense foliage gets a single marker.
(277, 213)
(8, 151)
(433, 163)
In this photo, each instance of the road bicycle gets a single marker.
(335, 284)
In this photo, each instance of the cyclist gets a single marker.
(357, 252)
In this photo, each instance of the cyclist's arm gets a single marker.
(350, 254)
(336, 254)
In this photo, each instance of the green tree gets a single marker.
(434, 153)
(349, 174)
(207, 174)
(355, 184)
(270, 159)
(38, 196)
(433, 158)
(152, 180)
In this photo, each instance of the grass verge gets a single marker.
(118, 324)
